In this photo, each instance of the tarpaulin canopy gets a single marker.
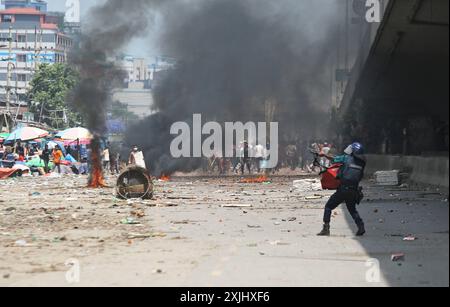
(38, 162)
(74, 134)
(3, 136)
(73, 142)
(26, 134)
(7, 172)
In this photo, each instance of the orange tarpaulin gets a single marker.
(7, 172)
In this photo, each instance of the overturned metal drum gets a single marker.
(134, 182)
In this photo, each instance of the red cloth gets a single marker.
(329, 178)
(7, 172)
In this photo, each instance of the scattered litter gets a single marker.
(59, 239)
(307, 185)
(129, 221)
(236, 206)
(398, 257)
(253, 226)
(20, 243)
(278, 243)
(409, 239)
(291, 219)
(181, 197)
(138, 213)
(167, 205)
(132, 236)
(387, 178)
(314, 197)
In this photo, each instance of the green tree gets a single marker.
(48, 95)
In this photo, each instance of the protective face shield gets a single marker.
(358, 149)
(135, 149)
(349, 150)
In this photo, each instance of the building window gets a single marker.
(21, 38)
(7, 18)
(22, 77)
(21, 58)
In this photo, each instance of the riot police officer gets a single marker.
(349, 192)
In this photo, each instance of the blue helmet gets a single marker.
(358, 148)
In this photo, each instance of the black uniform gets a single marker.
(350, 174)
(245, 160)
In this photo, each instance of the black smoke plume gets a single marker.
(111, 27)
(236, 59)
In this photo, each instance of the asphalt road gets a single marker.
(217, 232)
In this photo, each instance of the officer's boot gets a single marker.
(325, 231)
(361, 229)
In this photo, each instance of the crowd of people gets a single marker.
(44, 158)
(252, 159)
(49, 157)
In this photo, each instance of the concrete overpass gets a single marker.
(397, 99)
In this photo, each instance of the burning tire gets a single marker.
(134, 182)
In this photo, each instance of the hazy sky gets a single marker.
(140, 48)
(59, 5)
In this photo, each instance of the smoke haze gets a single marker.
(236, 60)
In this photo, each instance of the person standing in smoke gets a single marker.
(106, 159)
(292, 156)
(235, 160)
(259, 156)
(350, 175)
(137, 157)
(245, 158)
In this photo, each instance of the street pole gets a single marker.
(8, 74)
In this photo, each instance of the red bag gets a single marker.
(329, 178)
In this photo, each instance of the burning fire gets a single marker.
(164, 178)
(96, 179)
(261, 179)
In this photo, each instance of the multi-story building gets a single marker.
(28, 38)
(137, 68)
(38, 5)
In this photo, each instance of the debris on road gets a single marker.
(387, 178)
(138, 213)
(307, 185)
(132, 236)
(314, 197)
(236, 206)
(398, 257)
(253, 226)
(130, 221)
(20, 243)
(409, 239)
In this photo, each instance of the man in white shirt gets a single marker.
(260, 154)
(137, 158)
(106, 159)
